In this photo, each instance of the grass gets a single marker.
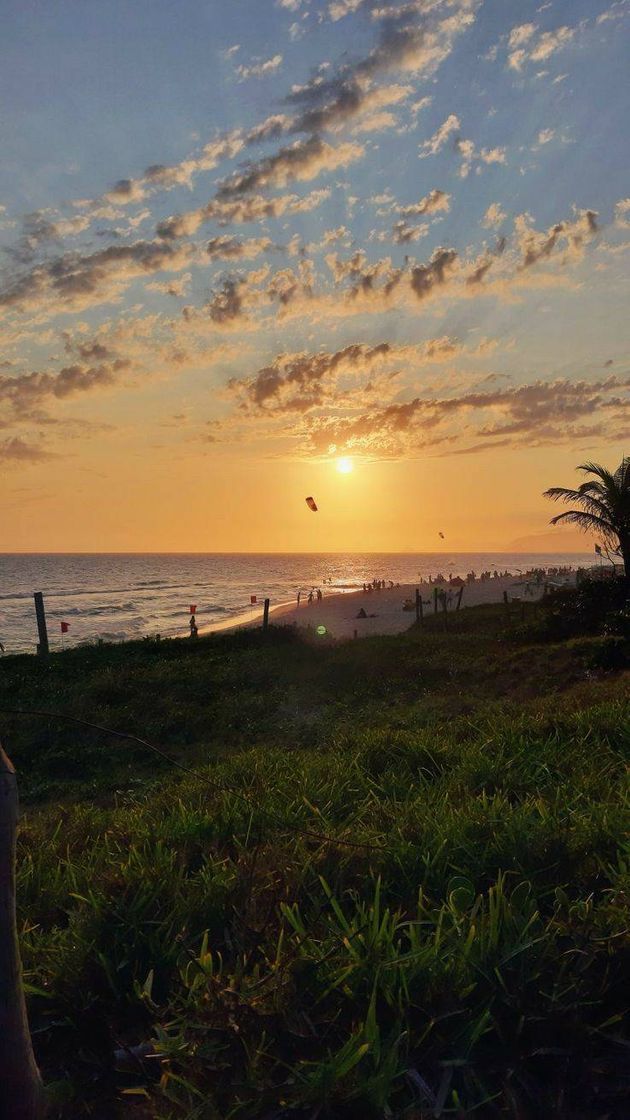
(192, 950)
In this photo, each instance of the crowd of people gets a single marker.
(378, 585)
(537, 574)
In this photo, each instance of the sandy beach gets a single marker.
(337, 611)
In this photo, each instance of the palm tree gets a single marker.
(604, 502)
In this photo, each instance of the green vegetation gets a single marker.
(603, 503)
(462, 949)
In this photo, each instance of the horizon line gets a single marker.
(339, 552)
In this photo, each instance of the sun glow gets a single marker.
(345, 466)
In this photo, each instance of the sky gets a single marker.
(246, 243)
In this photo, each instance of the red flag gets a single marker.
(252, 599)
(193, 610)
(65, 626)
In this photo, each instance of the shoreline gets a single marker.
(385, 611)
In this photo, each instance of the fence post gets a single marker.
(40, 612)
(435, 600)
(266, 616)
(21, 1089)
(419, 612)
(507, 605)
(459, 597)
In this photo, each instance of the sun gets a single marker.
(344, 466)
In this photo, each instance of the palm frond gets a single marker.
(600, 472)
(562, 493)
(586, 521)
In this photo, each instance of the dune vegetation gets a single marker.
(384, 878)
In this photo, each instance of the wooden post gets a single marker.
(266, 616)
(459, 597)
(507, 605)
(40, 612)
(419, 612)
(435, 600)
(21, 1089)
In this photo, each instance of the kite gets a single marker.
(312, 504)
(441, 535)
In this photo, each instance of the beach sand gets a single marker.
(337, 611)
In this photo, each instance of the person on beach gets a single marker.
(299, 596)
(310, 595)
(319, 595)
(193, 627)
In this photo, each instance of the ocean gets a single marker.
(115, 597)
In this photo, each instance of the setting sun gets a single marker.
(345, 466)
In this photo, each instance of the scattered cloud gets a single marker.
(435, 202)
(494, 216)
(622, 213)
(436, 142)
(526, 45)
(404, 234)
(259, 69)
(545, 136)
(340, 8)
(17, 450)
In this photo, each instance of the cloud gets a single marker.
(338, 9)
(494, 216)
(521, 35)
(330, 105)
(260, 69)
(404, 234)
(298, 382)
(531, 259)
(622, 213)
(539, 413)
(74, 280)
(434, 202)
(17, 450)
(471, 156)
(545, 136)
(255, 208)
(436, 142)
(27, 390)
(525, 45)
(229, 248)
(304, 160)
(537, 245)
(618, 10)
(426, 278)
(178, 287)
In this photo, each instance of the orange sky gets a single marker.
(139, 503)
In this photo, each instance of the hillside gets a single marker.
(392, 880)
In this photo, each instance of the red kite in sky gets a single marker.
(312, 504)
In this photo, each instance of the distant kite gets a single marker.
(312, 504)
(441, 535)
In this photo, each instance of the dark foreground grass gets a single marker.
(462, 949)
